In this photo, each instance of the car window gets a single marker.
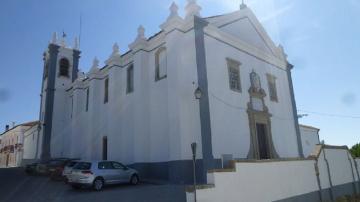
(71, 163)
(82, 166)
(117, 165)
(55, 163)
(105, 165)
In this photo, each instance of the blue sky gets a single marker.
(321, 38)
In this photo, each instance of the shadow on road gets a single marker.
(17, 186)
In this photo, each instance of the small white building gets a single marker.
(218, 81)
(13, 144)
(309, 138)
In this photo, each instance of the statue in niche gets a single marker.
(255, 81)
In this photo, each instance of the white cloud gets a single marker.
(276, 13)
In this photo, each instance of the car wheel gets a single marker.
(98, 184)
(134, 180)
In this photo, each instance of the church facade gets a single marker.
(220, 82)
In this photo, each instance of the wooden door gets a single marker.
(263, 143)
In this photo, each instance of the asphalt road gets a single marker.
(15, 185)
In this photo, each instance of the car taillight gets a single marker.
(86, 172)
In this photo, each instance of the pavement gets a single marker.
(16, 186)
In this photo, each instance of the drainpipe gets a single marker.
(329, 174)
(318, 178)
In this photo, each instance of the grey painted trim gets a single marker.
(293, 102)
(38, 139)
(76, 57)
(340, 190)
(204, 107)
(49, 102)
(308, 197)
(179, 172)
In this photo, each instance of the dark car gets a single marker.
(56, 167)
(30, 169)
(41, 167)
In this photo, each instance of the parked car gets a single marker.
(41, 167)
(30, 169)
(67, 169)
(97, 174)
(56, 168)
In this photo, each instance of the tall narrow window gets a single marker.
(106, 91)
(130, 79)
(234, 75)
(64, 67)
(105, 148)
(87, 99)
(160, 64)
(272, 87)
(72, 106)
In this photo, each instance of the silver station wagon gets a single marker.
(96, 174)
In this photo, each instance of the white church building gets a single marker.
(218, 81)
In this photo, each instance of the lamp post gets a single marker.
(193, 149)
(198, 93)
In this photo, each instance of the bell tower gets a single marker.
(60, 70)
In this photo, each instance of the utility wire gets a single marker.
(282, 118)
(331, 115)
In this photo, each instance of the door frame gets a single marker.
(104, 148)
(260, 117)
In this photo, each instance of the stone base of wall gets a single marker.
(25, 162)
(338, 191)
(180, 172)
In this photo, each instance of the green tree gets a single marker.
(355, 150)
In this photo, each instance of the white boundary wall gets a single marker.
(284, 179)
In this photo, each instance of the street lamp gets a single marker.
(198, 93)
(193, 149)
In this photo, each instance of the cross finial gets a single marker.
(192, 9)
(115, 48)
(141, 32)
(95, 62)
(173, 10)
(243, 5)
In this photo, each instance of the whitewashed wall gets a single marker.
(233, 135)
(278, 180)
(32, 144)
(155, 123)
(309, 139)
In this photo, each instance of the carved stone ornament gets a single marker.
(255, 81)
(258, 113)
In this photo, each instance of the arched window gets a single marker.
(64, 67)
(160, 64)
